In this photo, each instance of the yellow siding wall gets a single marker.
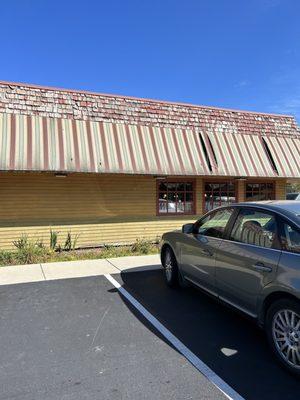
(102, 209)
(280, 189)
(240, 190)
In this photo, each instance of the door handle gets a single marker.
(259, 266)
(207, 252)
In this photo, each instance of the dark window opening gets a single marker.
(176, 198)
(260, 191)
(205, 153)
(270, 157)
(292, 196)
(219, 194)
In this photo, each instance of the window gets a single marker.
(254, 227)
(293, 196)
(215, 223)
(218, 194)
(176, 198)
(290, 239)
(260, 191)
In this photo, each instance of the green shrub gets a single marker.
(21, 243)
(40, 244)
(32, 252)
(157, 239)
(29, 252)
(53, 239)
(6, 257)
(142, 246)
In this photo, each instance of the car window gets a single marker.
(254, 227)
(215, 223)
(292, 196)
(291, 239)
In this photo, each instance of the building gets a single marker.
(115, 168)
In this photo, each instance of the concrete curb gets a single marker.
(12, 275)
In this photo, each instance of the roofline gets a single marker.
(35, 86)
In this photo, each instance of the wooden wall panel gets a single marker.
(280, 189)
(100, 208)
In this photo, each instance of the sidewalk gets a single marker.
(76, 269)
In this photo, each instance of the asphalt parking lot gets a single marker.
(81, 339)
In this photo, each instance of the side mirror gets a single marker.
(188, 228)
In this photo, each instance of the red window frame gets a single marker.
(176, 181)
(219, 182)
(260, 190)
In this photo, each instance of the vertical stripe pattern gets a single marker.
(37, 143)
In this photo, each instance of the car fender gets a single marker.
(276, 289)
(172, 239)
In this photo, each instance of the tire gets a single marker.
(282, 327)
(170, 268)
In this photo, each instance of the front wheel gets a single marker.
(283, 331)
(170, 268)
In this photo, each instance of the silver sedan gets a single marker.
(248, 256)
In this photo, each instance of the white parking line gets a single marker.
(188, 354)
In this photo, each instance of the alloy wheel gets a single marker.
(286, 336)
(168, 265)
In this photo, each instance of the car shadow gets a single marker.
(229, 343)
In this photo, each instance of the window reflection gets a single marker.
(217, 194)
(260, 191)
(175, 198)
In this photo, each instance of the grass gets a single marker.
(29, 252)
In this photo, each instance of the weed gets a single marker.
(142, 246)
(6, 257)
(70, 242)
(29, 252)
(53, 239)
(22, 242)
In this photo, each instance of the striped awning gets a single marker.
(34, 143)
(245, 154)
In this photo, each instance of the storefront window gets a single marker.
(260, 191)
(218, 194)
(176, 198)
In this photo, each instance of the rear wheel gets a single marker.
(170, 268)
(283, 331)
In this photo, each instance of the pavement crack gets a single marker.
(43, 272)
(99, 326)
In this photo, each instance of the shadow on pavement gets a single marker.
(230, 344)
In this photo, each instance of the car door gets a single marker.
(288, 268)
(248, 258)
(198, 248)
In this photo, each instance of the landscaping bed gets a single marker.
(28, 252)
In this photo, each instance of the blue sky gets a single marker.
(227, 53)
